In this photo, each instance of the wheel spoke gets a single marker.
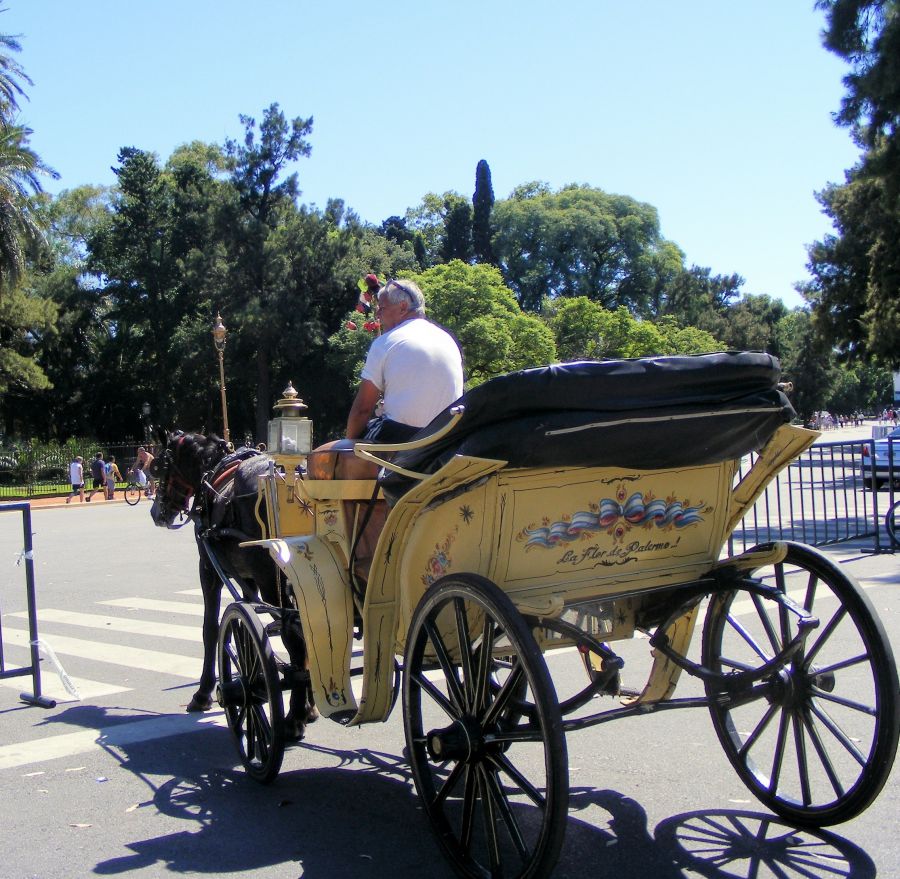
(810, 599)
(504, 695)
(778, 756)
(826, 633)
(502, 762)
(838, 733)
(751, 641)
(802, 764)
(465, 652)
(450, 782)
(766, 621)
(847, 703)
(490, 820)
(760, 728)
(448, 707)
(447, 666)
(509, 819)
(483, 678)
(844, 663)
(468, 813)
(824, 759)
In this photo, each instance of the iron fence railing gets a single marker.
(820, 498)
(26, 472)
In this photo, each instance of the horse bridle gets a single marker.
(175, 501)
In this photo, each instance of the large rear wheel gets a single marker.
(819, 743)
(250, 691)
(484, 731)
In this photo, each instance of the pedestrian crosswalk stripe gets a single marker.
(119, 736)
(116, 624)
(52, 687)
(116, 654)
(179, 607)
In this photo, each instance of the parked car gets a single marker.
(883, 471)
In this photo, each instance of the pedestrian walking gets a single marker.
(112, 475)
(98, 475)
(76, 478)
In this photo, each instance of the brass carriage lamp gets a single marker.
(290, 433)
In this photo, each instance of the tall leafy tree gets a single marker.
(579, 241)
(457, 240)
(482, 205)
(856, 273)
(266, 194)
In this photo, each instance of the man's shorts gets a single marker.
(98, 483)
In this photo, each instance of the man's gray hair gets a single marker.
(403, 290)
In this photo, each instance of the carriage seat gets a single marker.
(642, 413)
(335, 460)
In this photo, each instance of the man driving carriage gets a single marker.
(414, 366)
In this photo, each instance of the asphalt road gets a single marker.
(123, 781)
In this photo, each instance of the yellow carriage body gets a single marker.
(593, 541)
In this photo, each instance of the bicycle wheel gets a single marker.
(818, 743)
(132, 493)
(484, 732)
(892, 523)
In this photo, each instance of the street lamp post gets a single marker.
(219, 332)
(145, 413)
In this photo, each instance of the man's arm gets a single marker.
(362, 409)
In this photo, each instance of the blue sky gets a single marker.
(716, 112)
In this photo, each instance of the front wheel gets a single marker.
(818, 743)
(250, 691)
(132, 494)
(484, 732)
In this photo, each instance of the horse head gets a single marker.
(179, 471)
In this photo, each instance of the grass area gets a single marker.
(50, 489)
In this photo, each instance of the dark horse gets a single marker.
(198, 478)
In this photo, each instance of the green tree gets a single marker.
(457, 239)
(482, 205)
(579, 241)
(495, 335)
(585, 330)
(856, 273)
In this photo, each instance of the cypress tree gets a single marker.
(482, 204)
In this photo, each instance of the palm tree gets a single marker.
(19, 169)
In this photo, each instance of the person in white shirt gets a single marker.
(76, 478)
(414, 367)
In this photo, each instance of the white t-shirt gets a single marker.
(418, 368)
(76, 473)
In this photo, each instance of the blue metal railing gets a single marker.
(35, 697)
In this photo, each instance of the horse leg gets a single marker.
(211, 586)
(302, 706)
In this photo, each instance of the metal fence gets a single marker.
(27, 473)
(820, 498)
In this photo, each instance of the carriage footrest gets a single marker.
(342, 717)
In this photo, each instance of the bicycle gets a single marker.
(892, 523)
(133, 492)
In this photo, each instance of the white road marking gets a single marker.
(53, 688)
(116, 624)
(180, 607)
(116, 654)
(120, 736)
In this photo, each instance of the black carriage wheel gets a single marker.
(818, 746)
(250, 692)
(132, 494)
(484, 731)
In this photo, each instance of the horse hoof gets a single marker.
(294, 730)
(312, 714)
(199, 703)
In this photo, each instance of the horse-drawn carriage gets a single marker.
(552, 513)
